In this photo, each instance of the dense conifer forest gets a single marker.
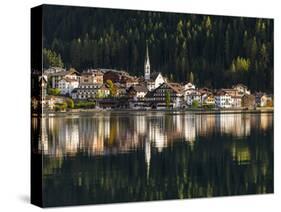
(216, 51)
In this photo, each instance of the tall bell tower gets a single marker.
(146, 66)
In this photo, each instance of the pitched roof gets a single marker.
(189, 85)
(236, 97)
(53, 70)
(63, 73)
(240, 84)
(68, 79)
(119, 85)
(220, 93)
(128, 79)
(174, 86)
(122, 73)
(95, 72)
(249, 96)
(205, 89)
(228, 89)
(154, 75)
(104, 87)
(86, 74)
(138, 88)
(42, 78)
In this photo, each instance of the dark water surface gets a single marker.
(137, 156)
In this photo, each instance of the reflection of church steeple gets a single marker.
(147, 150)
(146, 65)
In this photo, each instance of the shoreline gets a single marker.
(193, 111)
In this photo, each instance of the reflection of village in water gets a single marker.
(116, 133)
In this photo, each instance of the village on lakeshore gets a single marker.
(100, 88)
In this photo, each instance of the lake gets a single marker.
(122, 156)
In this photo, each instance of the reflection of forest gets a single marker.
(169, 156)
(119, 133)
(179, 171)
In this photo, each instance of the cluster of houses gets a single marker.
(117, 89)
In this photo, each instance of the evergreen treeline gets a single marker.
(219, 51)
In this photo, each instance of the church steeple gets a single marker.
(146, 65)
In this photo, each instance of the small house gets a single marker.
(137, 91)
(66, 85)
(156, 79)
(56, 77)
(248, 101)
(208, 100)
(223, 99)
(158, 96)
(91, 76)
(241, 89)
(263, 99)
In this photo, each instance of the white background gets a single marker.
(15, 89)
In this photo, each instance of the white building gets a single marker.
(66, 85)
(91, 76)
(56, 77)
(156, 79)
(152, 80)
(236, 101)
(241, 89)
(190, 98)
(157, 97)
(189, 86)
(190, 93)
(90, 91)
(223, 100)
(137, 91)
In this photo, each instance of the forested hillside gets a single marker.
(219, 51)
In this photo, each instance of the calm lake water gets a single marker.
(137, 156)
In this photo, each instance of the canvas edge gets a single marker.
(36, 17)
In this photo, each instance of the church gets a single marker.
(152, 80)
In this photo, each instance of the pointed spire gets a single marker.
(147, 55)
(146, 65)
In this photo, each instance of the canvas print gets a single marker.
(134, 105)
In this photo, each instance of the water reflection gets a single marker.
(117, 156)
(118, 132)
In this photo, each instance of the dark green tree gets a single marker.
(168, 99)
(178, 43)
(191, 77)
(51, 59)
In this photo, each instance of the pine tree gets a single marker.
(207, 45)
(191, 78)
